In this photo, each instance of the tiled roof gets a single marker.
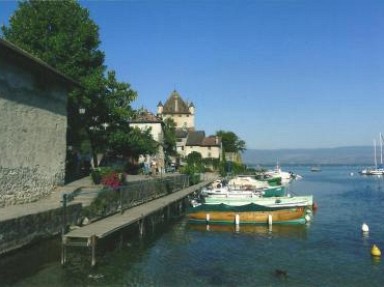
(211, 141)
(175, 105)
(8, 48)
(181, 133)
(195, 138)
(146, 117)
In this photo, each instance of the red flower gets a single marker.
(111, 180)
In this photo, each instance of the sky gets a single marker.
(277, 73)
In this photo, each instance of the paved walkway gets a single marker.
(52, 201)
(84, 189)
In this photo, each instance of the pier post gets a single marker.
(63, 251)
(152, 220)
(93, 247)
(141, 227)
(168, 212)
(64, 218)
(180, 211)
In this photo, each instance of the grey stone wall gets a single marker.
(21, 231)
(33, 126)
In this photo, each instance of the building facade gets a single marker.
(188, 139)
(144, 121)
(181, 112)
(33, 126)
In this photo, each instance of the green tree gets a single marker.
(132, 143)
(110, 113)
(231, 142)
(61, 34)
(169, 143)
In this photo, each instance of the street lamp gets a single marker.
(81, 111)
(105, 125)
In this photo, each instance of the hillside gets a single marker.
(361, 155)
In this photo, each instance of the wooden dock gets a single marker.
(87, 236)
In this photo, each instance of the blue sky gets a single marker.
(280, 74)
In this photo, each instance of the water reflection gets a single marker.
(288, 231)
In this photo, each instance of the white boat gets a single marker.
(273, 196)
(242, 187)
(379, 168)
(247, 182)
(225, 191)
(286, 177)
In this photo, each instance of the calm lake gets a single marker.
(330, 251)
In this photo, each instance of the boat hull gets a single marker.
(284, 201)
(246, 214)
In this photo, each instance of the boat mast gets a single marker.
(374, 153)
(381, 149)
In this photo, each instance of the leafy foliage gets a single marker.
(231, 142)
(60, 33)
(169, 138)
(132, 143)
(194, 166)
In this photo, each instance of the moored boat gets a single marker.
(247, 214)
(226, 191)
(247, 182)
(285, 177)
(283, 201)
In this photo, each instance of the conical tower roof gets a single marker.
(175, 105)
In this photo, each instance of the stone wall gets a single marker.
(33, 124)
(21, 231)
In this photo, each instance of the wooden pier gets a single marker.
(88, 235)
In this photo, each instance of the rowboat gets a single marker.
(247, 214)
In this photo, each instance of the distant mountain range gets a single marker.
(359, 155)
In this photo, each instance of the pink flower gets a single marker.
(111, 180)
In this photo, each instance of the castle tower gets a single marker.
(178, 110)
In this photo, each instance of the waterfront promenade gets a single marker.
(24, 223)
(86, 189)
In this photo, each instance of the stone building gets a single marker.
(188, 138)
(181, 112)
(208, 147)
(33, 126)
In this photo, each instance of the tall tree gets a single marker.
(231, 142)
(169, 143)
(61, 34)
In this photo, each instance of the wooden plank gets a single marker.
(115, 222)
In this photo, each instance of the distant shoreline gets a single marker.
(353, 155)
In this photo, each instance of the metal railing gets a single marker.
(113, 200)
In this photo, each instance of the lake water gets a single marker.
(330, 251)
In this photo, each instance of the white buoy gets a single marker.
(365, 227)
(308, 218)
(269, 219)
(207, 217)
(237, 219)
